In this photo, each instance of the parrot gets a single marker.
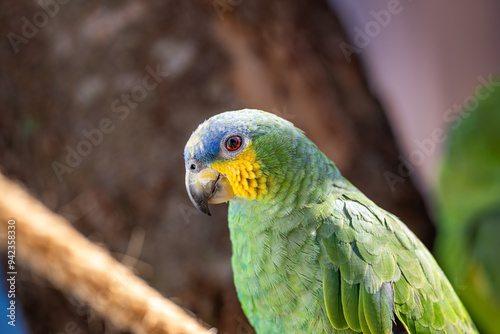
(467, 203)
(310, 252)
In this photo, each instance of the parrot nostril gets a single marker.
(194, 166)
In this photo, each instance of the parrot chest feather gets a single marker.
(278, 276)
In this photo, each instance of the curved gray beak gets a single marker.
(206, 185)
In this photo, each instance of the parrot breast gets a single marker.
(278, 277)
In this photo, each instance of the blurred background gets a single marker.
(97, 101)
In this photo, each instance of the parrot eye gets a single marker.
(233, 143)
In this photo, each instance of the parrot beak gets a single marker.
(207, 186)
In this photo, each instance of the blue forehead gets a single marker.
(204, 144)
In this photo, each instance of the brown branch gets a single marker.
(52, 248)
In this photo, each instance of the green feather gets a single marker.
(362, 316)
(332, 290)
(338, 252)
(350, 304)
(402, 291)
(354, 270)
(439, 317)
(385, 267)
(378, 308)
(427, 317)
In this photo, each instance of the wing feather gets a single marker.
(380, 277)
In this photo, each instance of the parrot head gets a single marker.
(237, 154)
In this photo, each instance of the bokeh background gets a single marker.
(97, 101)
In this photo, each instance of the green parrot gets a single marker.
(468, 205)
(311, 253)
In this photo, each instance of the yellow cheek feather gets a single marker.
(244, 173)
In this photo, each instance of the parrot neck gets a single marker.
(298, 182)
